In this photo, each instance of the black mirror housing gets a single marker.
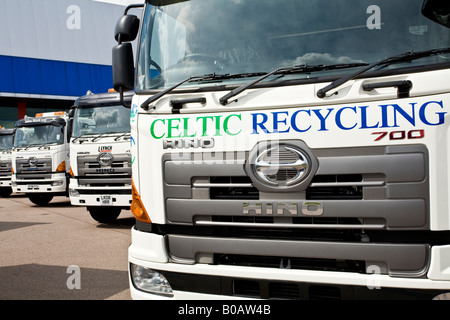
(437, 11)
(69, 128)
(123, 67)
(126, 28)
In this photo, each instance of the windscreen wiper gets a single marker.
(146, 104)
(98, 137)
(122, 135)
(407, 56)
(206, 77)
(287, 70)
(83, 136)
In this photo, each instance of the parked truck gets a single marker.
(101, 156)
(6, 144)
(288, 149)
(41, 156)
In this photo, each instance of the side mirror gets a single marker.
(437, 11)
(126, 28)
(123, 67)
(69, 128)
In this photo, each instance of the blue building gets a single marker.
(52, 52)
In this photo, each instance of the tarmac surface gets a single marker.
(58, 252)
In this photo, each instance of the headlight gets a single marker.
(73, 193)
(151, 281)
(57, 183)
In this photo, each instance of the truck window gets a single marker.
(39, 135)
(175, 45)
(100, 120)
(6, 142)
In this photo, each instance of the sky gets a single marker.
(121, 2)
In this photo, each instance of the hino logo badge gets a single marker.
(32, 161)
(105, 159)
(284, 166)
(281, 165)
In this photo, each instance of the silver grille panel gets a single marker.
(118, 173)
(375, 185)
(5, 169)
(382, 191)
(40, 168)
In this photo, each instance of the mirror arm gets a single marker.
(132, 6)
(122, 101)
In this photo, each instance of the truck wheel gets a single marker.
(40, 199)
(104, 214)
(5, 192)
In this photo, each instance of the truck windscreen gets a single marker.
(101, 120)
(200, 37)
(38, 135)
(6, 142)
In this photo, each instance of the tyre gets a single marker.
(104, 214)
(5, 192)
(40, 199)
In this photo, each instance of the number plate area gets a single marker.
(106, 200)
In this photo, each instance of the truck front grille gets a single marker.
(5, 169)
(361, 202)
(27, 168)
(92, 174)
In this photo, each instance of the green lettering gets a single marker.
(186, 129)
(217, 125)
(225, 124)
(152, 129)
(205, 124)
(171, 126)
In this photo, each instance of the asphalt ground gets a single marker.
(58, 252)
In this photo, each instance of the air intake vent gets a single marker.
(284, 291)
(324, 293)
(229, 188)
(246, 288)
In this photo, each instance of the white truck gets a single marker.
(6, 144)
(41, 156)
(288, 149)
(100, 173)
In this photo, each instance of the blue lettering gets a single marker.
(397, 110)
(430, 113)
(257, 124)
(338, 118)
(276, 121)
(322, 118)
(441, 115)
(294, 117)
(364, 124)
(409, 118)
(384, 116)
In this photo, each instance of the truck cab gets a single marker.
(288, 149)
(6, 145)
(41, 156)
(100, 173)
